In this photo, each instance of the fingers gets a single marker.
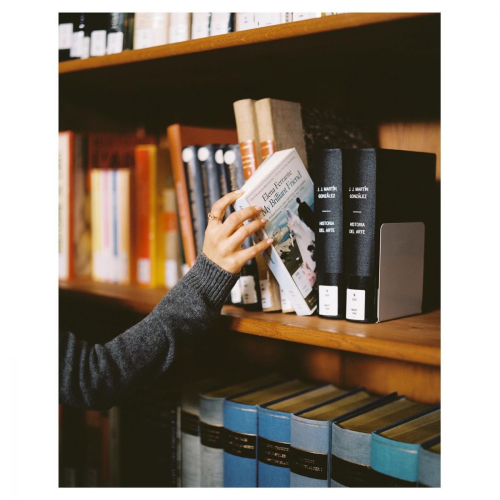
(245, 231)
(252, 252)
(219, 207)
(236, 219)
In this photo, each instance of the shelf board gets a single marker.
(415, 339)
(248, 37)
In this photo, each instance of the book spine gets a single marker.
(116, 33)
(210, 176)
(194, 182)
(150, 29)
(93, 423)
(274, 449)
(97, 232)
(98, 34)
(212, 443)
(329, 212)
(360, 222)
(245, 21)
(240, 445)
(200, 25)
(106, 226)
(190, 443)
(65, 205)
(309, 453)
(221, 23)
(124, 226)
(172, 240)
(429, 468)
(114, 218)
(182, 195)
(396, 460)
(180, 27)
(80, 33)
(225, 187)
(65, 35)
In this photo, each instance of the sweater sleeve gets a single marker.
(100, 376)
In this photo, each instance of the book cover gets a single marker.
(394, 449)
(380, 186)
(200, 25)
(150, 29)
(429, 463)
(284, 189)
(179, 137)
(212, 425)
(275, 434)
(310, 450)
(329, 231)
(241, 430)
(351, 441)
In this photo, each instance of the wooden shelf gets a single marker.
(383, 64)
(415, 339)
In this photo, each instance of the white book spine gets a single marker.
(64, 179)
(267, 19)
(150, 29)
(200, 26)
(245, 21)
(179, 29)
(220, 23)
(98, 43)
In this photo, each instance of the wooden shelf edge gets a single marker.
(415, 339)
(239, 38)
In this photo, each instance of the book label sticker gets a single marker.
(305, 463)
(302, 282)
(265, 294)
(115, 43)
(248, 158)
(241, 445)
(65, 35)
(236, 293)
(77, 44)
(211, 435)
(274, 453)
(171, 273)
(355, 308)
(190, 423)
(86, 48)
(144, 271)
(98, 43)
(328, 300)
(248, 292)
(286, 305)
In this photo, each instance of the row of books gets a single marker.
(89, 35)
(243, 430)
(136, 444)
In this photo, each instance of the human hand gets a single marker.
(223, 241)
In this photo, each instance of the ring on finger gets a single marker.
(211, 216)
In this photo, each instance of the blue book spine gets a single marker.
(240, 445)
(274, 449)
(310, 453)
(395, 459)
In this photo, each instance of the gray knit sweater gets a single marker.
(100, 376)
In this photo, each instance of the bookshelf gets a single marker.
(384, 66)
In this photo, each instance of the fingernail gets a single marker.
(270, 240)
(258, 208)
(263, 221)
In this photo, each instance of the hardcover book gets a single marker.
(179, 137)
(275, 434)
(241, 429)
(352, 438)
(394, 450)
(429, 463)
(116, 33)
(311, 439)
(284, 189)
(329, 231)
(212, 426)
(384, 186)
(210, 175)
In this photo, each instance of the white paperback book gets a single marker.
(282, 186)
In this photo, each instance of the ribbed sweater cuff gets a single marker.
(210, 280)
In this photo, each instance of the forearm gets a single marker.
(99, 376)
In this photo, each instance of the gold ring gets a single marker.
(211, 216)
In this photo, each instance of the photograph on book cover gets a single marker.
(288, 197)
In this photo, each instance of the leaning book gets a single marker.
(284, 189)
